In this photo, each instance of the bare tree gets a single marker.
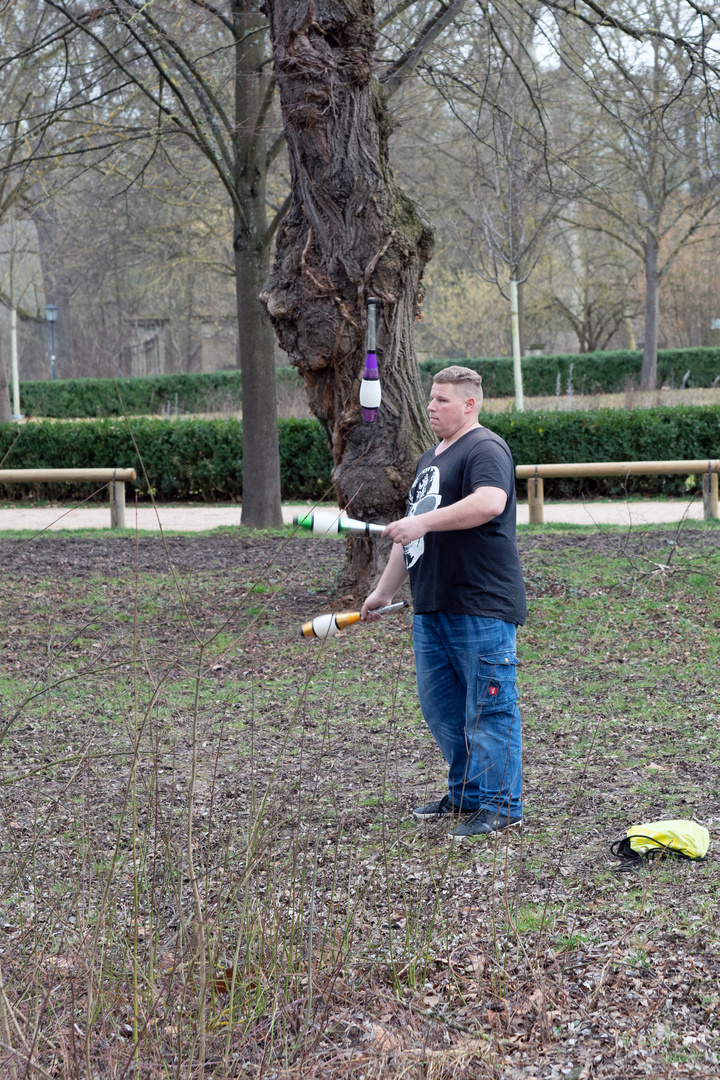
(38, 147)
(514, 163)
(587, 279)
(653, 153)
(202, 70)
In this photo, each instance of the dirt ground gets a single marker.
(528, 957)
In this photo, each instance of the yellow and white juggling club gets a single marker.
(328, 523)
(327, 626)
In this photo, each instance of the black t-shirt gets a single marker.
(467, 571)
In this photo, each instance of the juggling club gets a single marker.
(328, 523)
(370, 392)
(327, 626)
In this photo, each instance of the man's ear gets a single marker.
(470, 404)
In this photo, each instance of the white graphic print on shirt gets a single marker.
(424, 496)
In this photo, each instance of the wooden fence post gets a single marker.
(536, 496)
(710, 494)
(117, 504)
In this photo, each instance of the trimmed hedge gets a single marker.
(663, 434)
(202, 459)
(184, 459)
(592, 373)
(172, 394)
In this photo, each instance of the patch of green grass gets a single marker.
(309, 757)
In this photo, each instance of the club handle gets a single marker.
(372, 306)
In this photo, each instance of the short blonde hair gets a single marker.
(467, 381)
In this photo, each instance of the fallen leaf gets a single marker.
(385, 1040)
(223, 983)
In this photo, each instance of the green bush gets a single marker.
(592, 373)
(184, 459)
(664, 434)
(202, 459)
(218, 391)
(221, 391)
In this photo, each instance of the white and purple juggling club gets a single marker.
(328, 523)
(370, 392)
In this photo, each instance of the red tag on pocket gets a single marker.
(492, 690)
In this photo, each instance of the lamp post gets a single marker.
(51, 316)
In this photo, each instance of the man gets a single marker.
(457, 545)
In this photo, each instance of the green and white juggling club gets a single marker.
(328, 523)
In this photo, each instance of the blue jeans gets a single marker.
(467, 688)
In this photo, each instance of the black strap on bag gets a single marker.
(631, 859)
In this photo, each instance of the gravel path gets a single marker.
(199, 518)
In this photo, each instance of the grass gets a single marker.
(209, 866)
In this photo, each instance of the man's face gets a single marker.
(449, 410)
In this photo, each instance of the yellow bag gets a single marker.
(683, 839)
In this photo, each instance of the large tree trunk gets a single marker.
(261, 458)
(350, 234)
(648, 374)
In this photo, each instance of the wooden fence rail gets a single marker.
(534, 474)
(115, 478)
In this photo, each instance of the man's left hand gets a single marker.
(406, 529)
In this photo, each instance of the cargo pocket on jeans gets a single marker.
(496, 682)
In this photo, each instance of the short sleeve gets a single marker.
(489, 464)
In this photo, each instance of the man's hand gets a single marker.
(484, 504)
(406, 529)
(393, 577)
(376, 599)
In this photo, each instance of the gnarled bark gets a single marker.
(351, 233)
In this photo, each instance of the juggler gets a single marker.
(457, 545)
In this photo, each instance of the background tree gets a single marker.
(653, 150)
(589, 281)
(30, 144)
(551, 56)
(204, 70)
(513, 159)
(117, 253)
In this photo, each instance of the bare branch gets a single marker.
(392, 79)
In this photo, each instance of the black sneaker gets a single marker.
(484, 822)
(437, 809)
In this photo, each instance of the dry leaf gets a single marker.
(223, 983)
(385, 1040)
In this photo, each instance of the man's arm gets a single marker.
(394, 575)
(484, 504)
